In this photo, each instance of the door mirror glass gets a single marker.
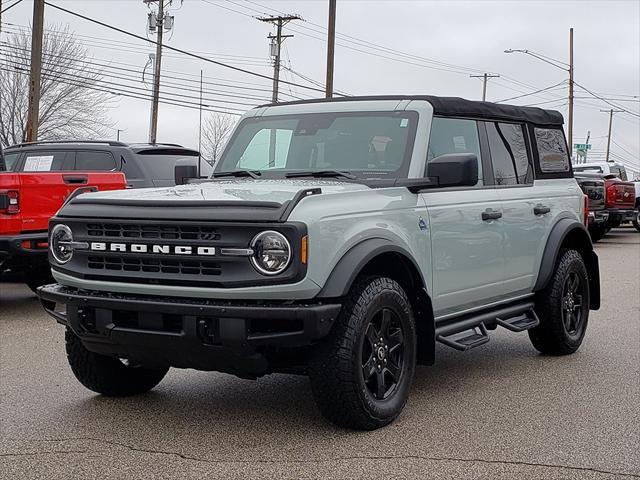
(454, 170)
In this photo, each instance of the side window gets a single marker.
(619, 172)
(9, 161)
(454, 135)
(94, 160)
(509, 158)
(258, 150)
(48, 161)
(552, 150)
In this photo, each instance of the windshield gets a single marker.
(366, 144)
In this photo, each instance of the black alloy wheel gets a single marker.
(383, 354)
(572, 294)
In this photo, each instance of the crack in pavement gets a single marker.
(334, 459)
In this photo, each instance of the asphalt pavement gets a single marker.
(500, 411)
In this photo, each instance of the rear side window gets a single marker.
(552, 150)
(509, 157)
(9, 162)
(454, 135)
(94, 160)
(48, 161)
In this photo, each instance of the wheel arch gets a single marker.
(569, 233)
(383, 258)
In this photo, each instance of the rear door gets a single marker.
(43, 188)
(466, 243)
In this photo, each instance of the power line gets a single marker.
(532, 93)
(10, 6)
(607, 101)
(184, 52)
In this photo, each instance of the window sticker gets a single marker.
(404, 123)
(459, 143)
(38, 164)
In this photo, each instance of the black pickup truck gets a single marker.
(593, 187)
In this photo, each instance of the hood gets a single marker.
(229, 200)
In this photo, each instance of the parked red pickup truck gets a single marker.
(620, 199)
(27, 201)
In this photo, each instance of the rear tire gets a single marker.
(597, 233)
(361, 373)
(109, 376)
(636, 220)
(563, 307)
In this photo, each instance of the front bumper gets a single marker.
(187, 333)
(23, 250)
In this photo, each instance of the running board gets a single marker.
(469, 332)
(523, 322)
(478, 336)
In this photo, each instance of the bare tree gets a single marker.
(73, 103)
(216, 129)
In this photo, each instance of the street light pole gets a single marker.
(567, 68)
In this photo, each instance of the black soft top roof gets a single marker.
(460, 107)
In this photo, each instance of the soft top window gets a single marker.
(552, 150)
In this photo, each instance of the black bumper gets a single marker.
(598, 217)
(14, 255)
(616, 217)
(186, 333)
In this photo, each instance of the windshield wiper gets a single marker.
(322, 173)
(238, 173)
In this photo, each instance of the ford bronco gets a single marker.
(339, 239)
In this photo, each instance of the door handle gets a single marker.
(69, 179)
(490, 214)
(541, 209)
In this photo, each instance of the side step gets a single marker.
(479, 336)
(469, 332)
(523, 322)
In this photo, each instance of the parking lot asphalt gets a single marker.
(499, 411)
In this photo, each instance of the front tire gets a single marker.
(36, 277)
(107, 375)
(361, 373)
(563, 307)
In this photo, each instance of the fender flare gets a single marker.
(354, 260)
(559, 233)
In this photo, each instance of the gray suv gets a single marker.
(143, 164)
(338, 239)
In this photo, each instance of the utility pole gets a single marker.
(611, 112)
(200, 127)
(331, 48)
(276, 44)
(31, 134)
(159, 27)
(485, 77)
(571, 91)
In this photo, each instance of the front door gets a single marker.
(465, 225)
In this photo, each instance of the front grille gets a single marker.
(154, 265)
(150, 232)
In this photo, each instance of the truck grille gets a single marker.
(150, 232)
(154, 265)
(164, 265)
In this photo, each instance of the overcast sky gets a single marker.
(392, 48)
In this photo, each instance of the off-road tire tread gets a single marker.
(107, 375)
(550, 337)
(330, 371)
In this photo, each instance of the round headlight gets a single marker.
(271, 253)
(59, 244)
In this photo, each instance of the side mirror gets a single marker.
(184, 171)
(454, 170)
